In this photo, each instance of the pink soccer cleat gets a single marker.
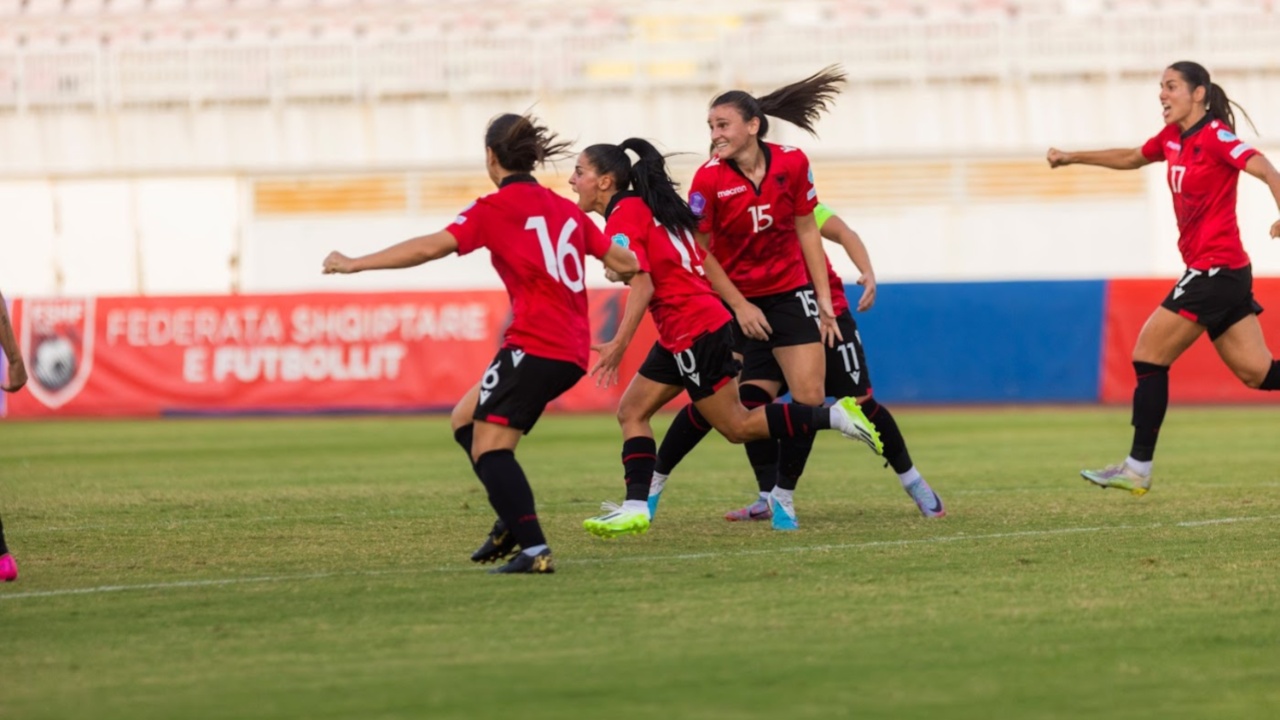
(8, 568)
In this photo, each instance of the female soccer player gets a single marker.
(694, 352)
(537, 240)
(17, 377)
(1216, 293)
(755, 203)
(847, 375)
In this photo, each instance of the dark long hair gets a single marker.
(800, 103)
(648, 175)
(1218, 105)
(521, 144)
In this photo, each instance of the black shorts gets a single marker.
(793, 316)
(847, 372)
(1216, 298)
(701, 370)
(517, 387)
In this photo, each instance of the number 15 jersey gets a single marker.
(537, 240)
(753, 229)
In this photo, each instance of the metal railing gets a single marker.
(361, 70)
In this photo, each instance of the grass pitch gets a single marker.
(317, 568)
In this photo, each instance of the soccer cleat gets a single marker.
(500, 544)
(848, 418)
(619, 522)
(1119, 476)
(655, 494)
(758, 510)
(8, 568)
(926, 499)
(540, 564)
(784, 518)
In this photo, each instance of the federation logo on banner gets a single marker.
(57, 341)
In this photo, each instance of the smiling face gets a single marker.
(1178, 102)
(593, 189)
(730, 133)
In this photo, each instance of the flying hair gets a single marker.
(521, 144)
(800, 103)
(648, 176)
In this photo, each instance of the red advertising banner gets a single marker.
(1199, 375)
(274, 353)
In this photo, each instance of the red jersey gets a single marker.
(537, 240)
(1204, 170)
(753, 229)
(684, 306)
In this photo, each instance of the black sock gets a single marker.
(511, 496)
(800, 422)
(638, 457)
(1272, 380)
(762, 454)
(4, 549)
(895, 446)
(1150, 401)
(686, 431)
(796, 419)
(463, 436)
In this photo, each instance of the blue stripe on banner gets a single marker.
(984, 342)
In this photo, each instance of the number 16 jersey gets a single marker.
(536, 240)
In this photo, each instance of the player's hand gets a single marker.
(1275, 229)
(752, 321)
(17, 376)
(605, 371)
(614, 277)
(827, 324)
(1057, 158)
(868, 283)
(338, 263)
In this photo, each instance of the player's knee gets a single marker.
(736, 431)
(1252, 376)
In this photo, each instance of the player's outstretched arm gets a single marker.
(410, 253)
(836, 230)
(17, 369)
(1261, 168)
(1116, 159)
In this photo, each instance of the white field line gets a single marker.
(638, 558)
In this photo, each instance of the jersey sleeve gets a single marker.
(701, 192)
(466, 228)
(592, 239)
(1152, 149)
(628, 226)
(1227, 147)
(806, 192)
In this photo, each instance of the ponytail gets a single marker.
(520, 144)
(649, 177)
(800, 103)
(1216, 103)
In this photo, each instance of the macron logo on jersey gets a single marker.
(731, 192)
(1176, 147)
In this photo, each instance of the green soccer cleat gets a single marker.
(848, 418)
(619, 522)
(1119, 476)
